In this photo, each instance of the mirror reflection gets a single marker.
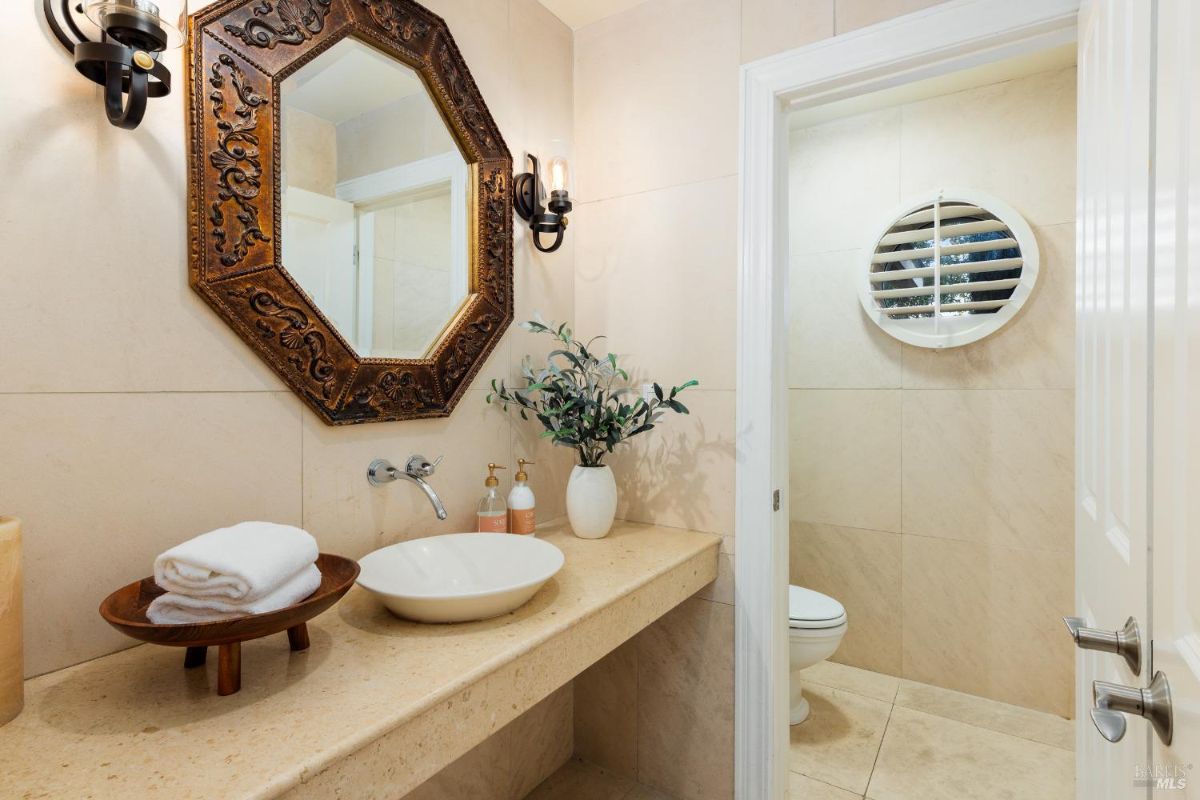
(375, 201)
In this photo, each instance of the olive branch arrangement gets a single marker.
(577, 398)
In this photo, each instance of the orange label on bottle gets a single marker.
(492, 523)
(522, 520)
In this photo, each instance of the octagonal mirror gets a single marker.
(374, 201)
(351, 210)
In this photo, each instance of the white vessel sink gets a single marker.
(459, 577)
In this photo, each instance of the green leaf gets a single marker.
(658, 392)
(678, 407)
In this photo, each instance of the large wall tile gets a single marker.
(681, 474)
(606, 711)
(853, 14)
(947, 603)
(832, 344)
(344, 511)
(772, 26)
(1035, 350)
(654, 272)
(105, 482)
(844, 179)
(1031, 663)
(685, 702)
(656, 91)
(542, 741)
(966, 140)
(845, 457)
(861, 570)
(990, 466)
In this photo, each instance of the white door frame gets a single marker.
(943, 39)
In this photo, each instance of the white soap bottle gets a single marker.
(492, 516)
(521, 515)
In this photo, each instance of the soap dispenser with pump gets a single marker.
(492, 514)
(521, 514)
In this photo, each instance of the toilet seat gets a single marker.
(809, 610)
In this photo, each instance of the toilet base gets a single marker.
(799, 711)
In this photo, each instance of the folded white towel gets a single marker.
(178, 609)
(241, 563)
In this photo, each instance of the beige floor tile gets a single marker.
(845, 457)
(801, 787)
(838, 743)
(861, 570)
(685, 702)
(578, 780)
(606, 711)
(990, 714)
(852, 679)
(641, 792)
(925, 757)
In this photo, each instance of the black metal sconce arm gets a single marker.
(127, 67)
(549, 219)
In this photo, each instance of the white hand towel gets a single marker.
(242, 563)
(178, 609)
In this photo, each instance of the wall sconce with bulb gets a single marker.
(527, 200)
(117, 44)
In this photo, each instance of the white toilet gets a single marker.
(817, 625)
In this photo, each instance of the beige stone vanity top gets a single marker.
(372, 709)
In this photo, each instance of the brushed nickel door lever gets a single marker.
(1115, 701)
(1126, 642)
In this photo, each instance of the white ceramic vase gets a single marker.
(591, 501)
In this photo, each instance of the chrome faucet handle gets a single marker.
(1127, 642)
(1114, 701)
(421, 467)
(380, 472)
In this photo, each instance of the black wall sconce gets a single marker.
(527, 201)
(119, 50)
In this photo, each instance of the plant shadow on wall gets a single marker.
(584, 401)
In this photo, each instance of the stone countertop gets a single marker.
(373, 708)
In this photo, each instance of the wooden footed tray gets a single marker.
(125, 610)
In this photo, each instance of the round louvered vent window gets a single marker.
(949, 268)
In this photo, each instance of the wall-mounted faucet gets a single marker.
(417, 469)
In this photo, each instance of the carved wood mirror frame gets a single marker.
(240, 51)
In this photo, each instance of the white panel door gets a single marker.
(319, 237)
(1113, 369)
(1175, 569)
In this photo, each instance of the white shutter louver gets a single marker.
(949, 268)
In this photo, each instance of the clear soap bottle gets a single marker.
(492, 514)
(521, 514)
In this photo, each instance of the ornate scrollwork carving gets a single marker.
(298, 21)
(403, 24)
(466, 347)
(495, 218)
(465, 98)
(297, 333)
(237, 160)
(402, 391)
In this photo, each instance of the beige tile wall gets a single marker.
(656, 120)
(932, 490)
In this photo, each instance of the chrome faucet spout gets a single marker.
(438, 508)
(417, 470)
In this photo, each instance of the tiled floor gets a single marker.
(885, 738)
(579, 780)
